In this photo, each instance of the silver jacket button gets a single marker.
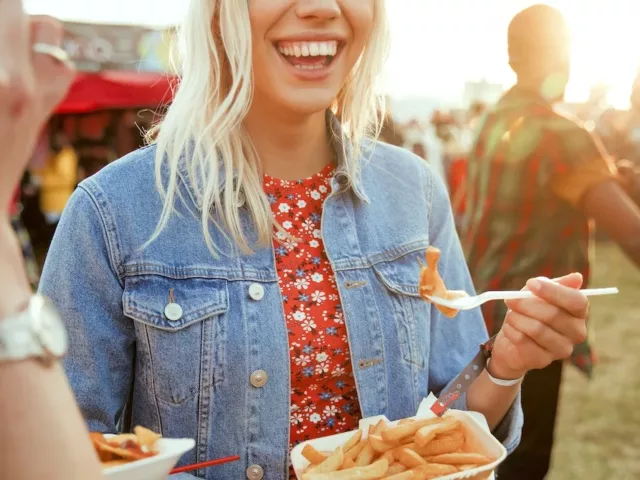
(255, 472)
(259, 378)
(256, 291)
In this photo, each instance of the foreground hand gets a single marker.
(31, 85)
(540, 330)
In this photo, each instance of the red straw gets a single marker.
(210, 463)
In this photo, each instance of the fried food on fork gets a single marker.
(432, 285)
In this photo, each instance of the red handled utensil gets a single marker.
(210, 463)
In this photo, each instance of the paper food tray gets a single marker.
(478, 439)
(157, 467)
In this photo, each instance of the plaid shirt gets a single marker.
(528, 171)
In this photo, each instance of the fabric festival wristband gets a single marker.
(463, 381)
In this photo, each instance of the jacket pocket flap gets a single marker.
(401, 275)
(147, 296)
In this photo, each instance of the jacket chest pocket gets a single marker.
(181, 347)
(412, 314)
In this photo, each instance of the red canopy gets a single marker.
(116, 90)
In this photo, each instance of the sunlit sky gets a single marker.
(438, 44)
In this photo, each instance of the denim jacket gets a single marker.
(197, 376)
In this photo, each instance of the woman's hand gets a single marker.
(31, 85)
(540, 330)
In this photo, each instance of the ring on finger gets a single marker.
(53, 51)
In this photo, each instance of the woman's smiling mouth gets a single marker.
(309, 55)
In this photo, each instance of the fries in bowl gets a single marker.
(411, 449)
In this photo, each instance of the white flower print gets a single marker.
(308, 325)
(330, 411)
(338, 371)
(290, 245)
(322, 368)
(317, 233)
(317, 277)
(322, 189)
(303, 360)
(284, 208)
(301, 204)
(315, 418)
(339, 318)
(314, 244)
(315, 195)
(296, 419)
(308, 225)
(322, 357)
(299, 316)
(287, 225)
(301, 283)
(281, 235)
(318, 296)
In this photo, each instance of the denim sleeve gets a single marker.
(182, 476)
(80, 278)
(454, 342)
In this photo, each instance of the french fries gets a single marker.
(412, 449)
(124, 448)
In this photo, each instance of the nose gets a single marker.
(318, 9)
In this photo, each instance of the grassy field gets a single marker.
(598, 435)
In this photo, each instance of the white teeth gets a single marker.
(306, 49)
(309, 67)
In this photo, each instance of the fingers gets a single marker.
(53, 72)
(552, 317)
(537, 356)
(573, 280)
(48, 31)
(569, 299)
(16, 79)
(548, 339)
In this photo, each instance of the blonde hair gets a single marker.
(203, 126)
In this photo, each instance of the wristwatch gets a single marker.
(36, 332)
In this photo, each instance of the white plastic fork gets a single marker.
(467, 303)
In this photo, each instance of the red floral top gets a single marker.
(323, 393)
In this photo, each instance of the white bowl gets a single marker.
(157, 467)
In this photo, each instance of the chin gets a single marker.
(303, 102)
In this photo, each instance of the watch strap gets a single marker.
(17, 340)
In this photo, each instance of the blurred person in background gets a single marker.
(43, 434)
(390, 132)
(535, 180)
(58, 176)
(457, 164)
(423, 141)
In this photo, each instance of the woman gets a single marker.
(250, 279)
(37, 411)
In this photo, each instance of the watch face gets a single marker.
(48, 326)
